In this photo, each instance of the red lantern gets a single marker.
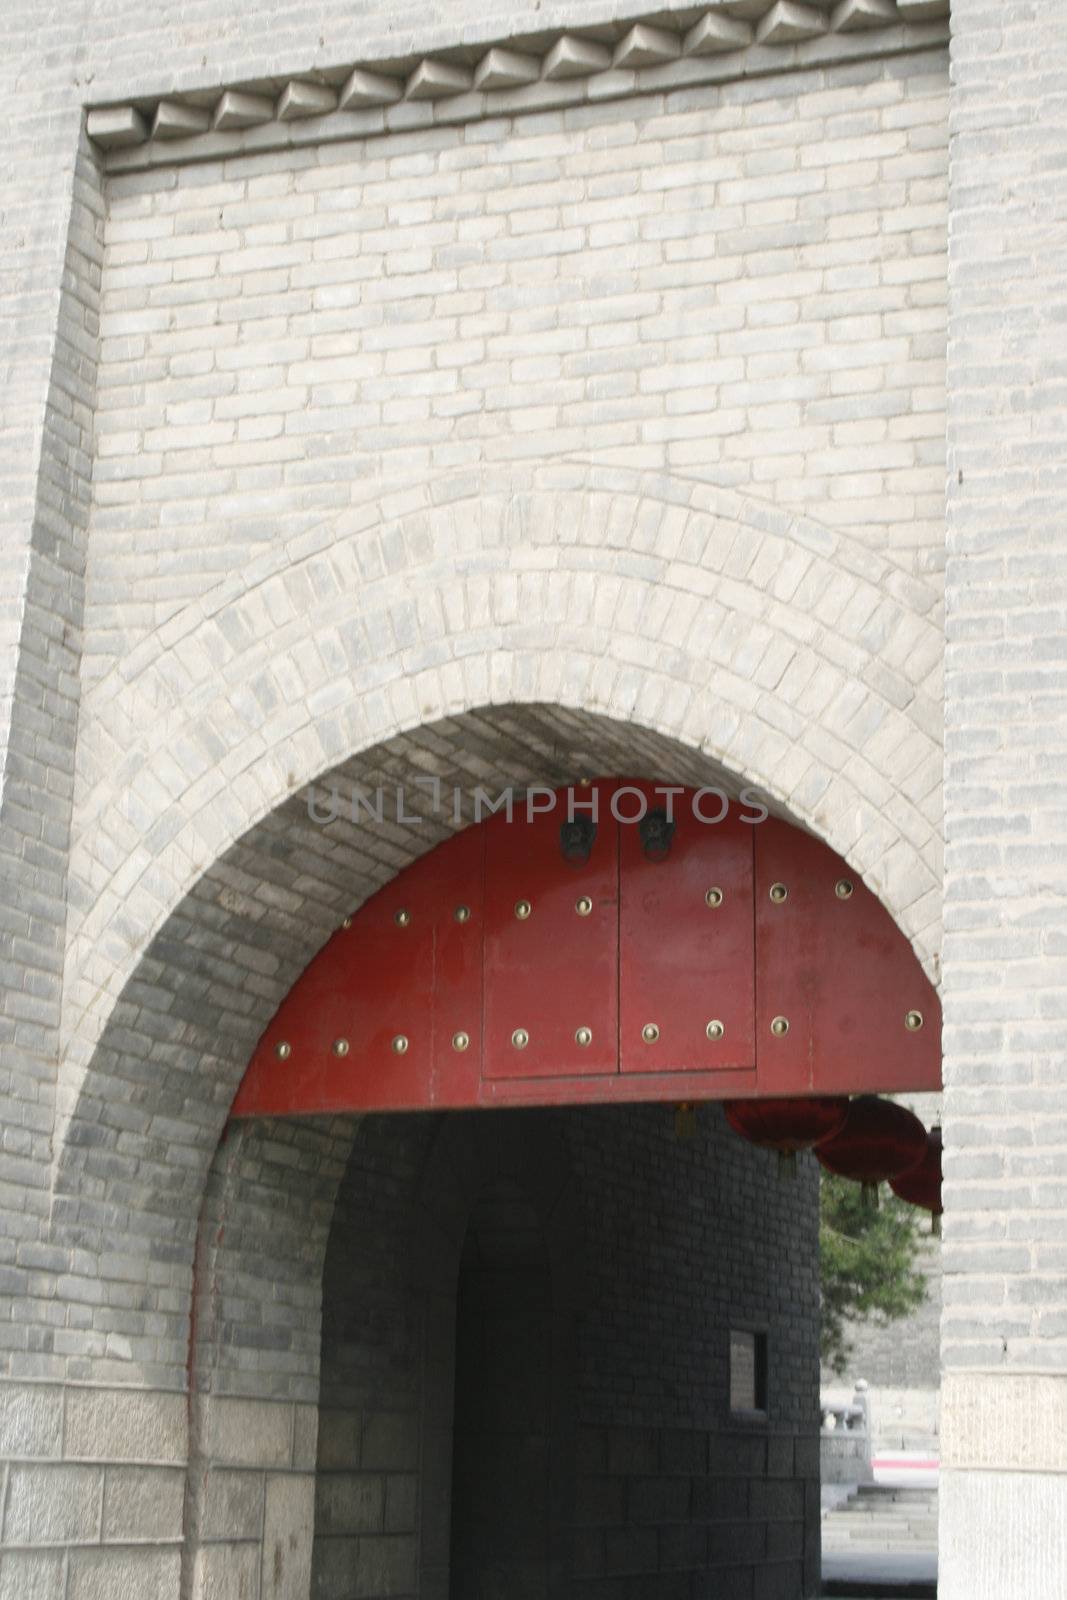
(787, 1125)
(880, 1140)
(921, 1185)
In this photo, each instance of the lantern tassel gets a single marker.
(685, 1120)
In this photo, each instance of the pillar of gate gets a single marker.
(1004, 1327)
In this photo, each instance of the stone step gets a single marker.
(892, 1508)
(843, 1540)
(901, 1512)
(859, 1529)
(880, 1520)
(875, 1552)
(882, 1514)
(900, 1531)
(885, 1493)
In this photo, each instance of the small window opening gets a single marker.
(748, 1371)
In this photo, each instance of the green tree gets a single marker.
(868, 1262)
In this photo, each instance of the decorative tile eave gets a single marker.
(737, 39)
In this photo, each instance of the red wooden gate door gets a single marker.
(625, 942)
(551, 947)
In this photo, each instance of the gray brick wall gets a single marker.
(1004, 1330)
(180, 939)
(744, 283)
(145, 1129)
(1003, 1096)
(42, 584)
(654, 1247)
(49, 266)
(295, 341)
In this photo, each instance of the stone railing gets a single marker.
(845, 1436)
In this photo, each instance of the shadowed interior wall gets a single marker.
(502, 1429)
(651, 1247)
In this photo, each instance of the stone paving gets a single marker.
(881, 1538)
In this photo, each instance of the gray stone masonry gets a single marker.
(622, 1256)
(1004, 1329)
(499, 443)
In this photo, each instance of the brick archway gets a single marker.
(269, 1210)
(767, 644)
(150, 1110)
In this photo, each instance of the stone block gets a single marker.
(855, 16)
(226, 1571)
(776, 1501)
(435, 1496)
(630, 1550)
(631, 1451)
(232, 1505)
(305, 1437)
(247, 1433)
(646, 46)
(288, 1531)
(806, 1457)
(31, 1420)
(588, 1552)
(738, 1543)
(175, 120)
(591, 1450)
(785, 1541)
(658, 1500)
(350, 1502)
(237, 110)
(125, 1425)
(33, 1575)
(299, 100)
(401, 1503)
(571, 57)
(975, 1558)
(362, 89)
(390, 1439)
(433, 80)
(779, 1456)
(335, 1562)
(788, 22)
(600, 1502)
(142, 1503)
(683, 1450)
(505, 69)
(52, 1505)
(733, 1583)
(1018, 1420)
(743, 1455)
(387, 1567)
(116, 126)
(683, 1546)
(714, 34)
(126, 1575)
(340, 1439)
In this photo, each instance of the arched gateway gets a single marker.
(561, 1343)
(506, 393)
